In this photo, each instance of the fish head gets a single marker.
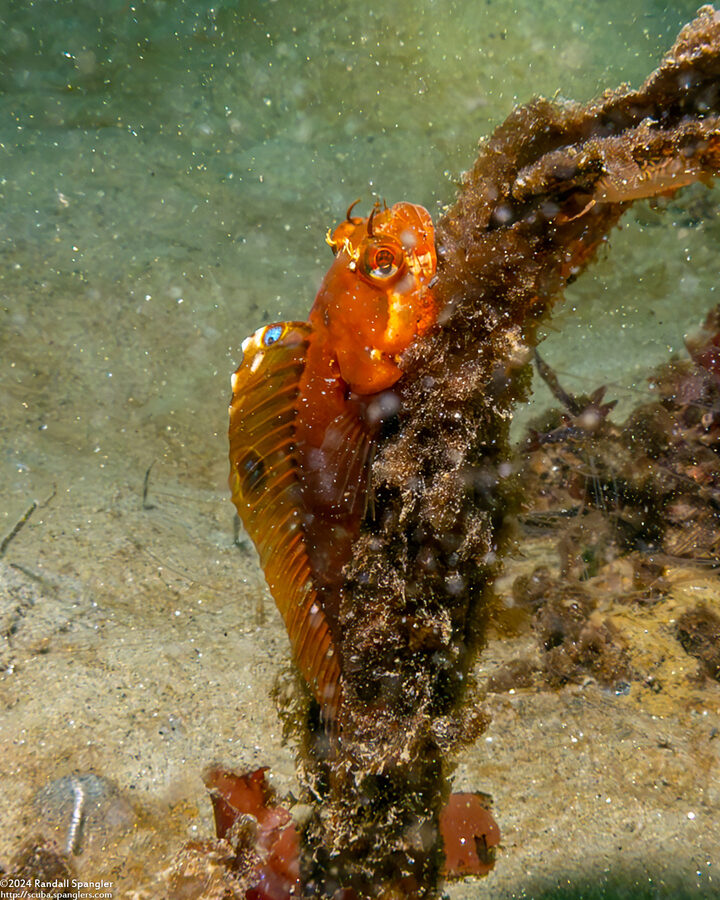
(375, 299)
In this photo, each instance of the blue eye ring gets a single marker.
(272, 334)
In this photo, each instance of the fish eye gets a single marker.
(272, 334)
(383, 262)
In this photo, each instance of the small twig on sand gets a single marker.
(17, 527)
(146, 482)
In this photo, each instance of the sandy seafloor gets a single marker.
(167, 174)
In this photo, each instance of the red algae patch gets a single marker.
(470, 835)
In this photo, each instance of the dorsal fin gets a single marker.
(264, 480)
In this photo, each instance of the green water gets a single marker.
(168, 171)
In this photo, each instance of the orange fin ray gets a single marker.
(354, 461)
(335, 474)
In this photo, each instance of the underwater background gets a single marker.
(168, 171)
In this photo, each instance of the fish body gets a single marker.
(309, 399)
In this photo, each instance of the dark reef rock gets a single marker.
(651, 484)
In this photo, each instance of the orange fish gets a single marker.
(309, 400)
